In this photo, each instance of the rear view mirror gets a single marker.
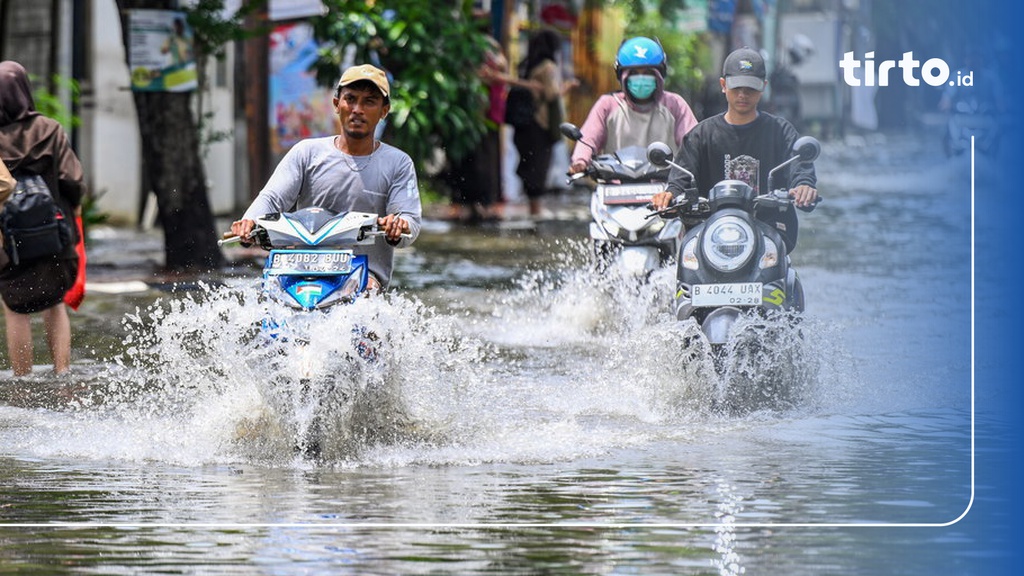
(807, 148)
(570, 131)
(659, 154)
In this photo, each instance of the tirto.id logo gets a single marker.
(934, 72)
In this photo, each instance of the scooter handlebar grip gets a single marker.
(812, 206)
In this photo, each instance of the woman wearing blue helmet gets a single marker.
(641, 112)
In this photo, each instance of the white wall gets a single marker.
(113, 131)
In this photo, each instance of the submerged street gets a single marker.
(531, 397)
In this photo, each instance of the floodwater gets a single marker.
(524, 416)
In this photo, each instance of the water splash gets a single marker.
(197, 383)
(729, 562)
(630, 356)
(566, 364)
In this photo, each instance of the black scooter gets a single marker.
(731, 263)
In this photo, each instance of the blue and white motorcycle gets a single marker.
(311, 264)
(312, 268)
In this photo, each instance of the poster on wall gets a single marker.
(299, 108)
(282, 9)
(161, 52)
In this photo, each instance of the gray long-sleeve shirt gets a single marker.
(315, 173)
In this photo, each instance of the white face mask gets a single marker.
(641, 86)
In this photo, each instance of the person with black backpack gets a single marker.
(38, 238)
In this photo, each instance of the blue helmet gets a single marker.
(641, 52)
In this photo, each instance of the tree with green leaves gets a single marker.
(431, 49)
(172, 163)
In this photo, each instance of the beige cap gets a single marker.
(366, 72)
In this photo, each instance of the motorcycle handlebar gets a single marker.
(253, 237)
(781, 197)
(694, 208)
(228, 238)
(570, 177)
(701, 206)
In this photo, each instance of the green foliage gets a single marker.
(430, 194)
(211, 33)
(91, 213)
(432, 50)
(51, 105)
(638, 9)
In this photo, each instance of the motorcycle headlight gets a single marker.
(611, 228)
(348, 291)
(728, 243)
(276, 291)
(603, 217)
(670, 229)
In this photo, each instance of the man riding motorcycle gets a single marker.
(641, 112)
(742, 144)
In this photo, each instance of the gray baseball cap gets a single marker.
(744, 68)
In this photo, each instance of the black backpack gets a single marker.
(519, 107)
(32, 223)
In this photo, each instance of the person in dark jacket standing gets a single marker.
(31, 143)
(535, 140)
(744, 144)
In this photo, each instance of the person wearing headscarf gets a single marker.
(535, 141)
(33, 144)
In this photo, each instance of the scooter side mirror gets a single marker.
(570, 131)
(659, 154)
(807, 148)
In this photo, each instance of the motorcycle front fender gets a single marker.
(718, 324)
(598, 233)
(639, 260)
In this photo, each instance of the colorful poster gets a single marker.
(161, 53)
(299, 108)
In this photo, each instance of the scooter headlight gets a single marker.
(728, 243)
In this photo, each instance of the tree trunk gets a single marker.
(173, 168)
(174, 171)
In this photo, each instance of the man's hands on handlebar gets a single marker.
(577, 167)
(242, 228)
(393, 227)
(804, 195)
(661, 200)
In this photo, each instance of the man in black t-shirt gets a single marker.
(742, 143)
